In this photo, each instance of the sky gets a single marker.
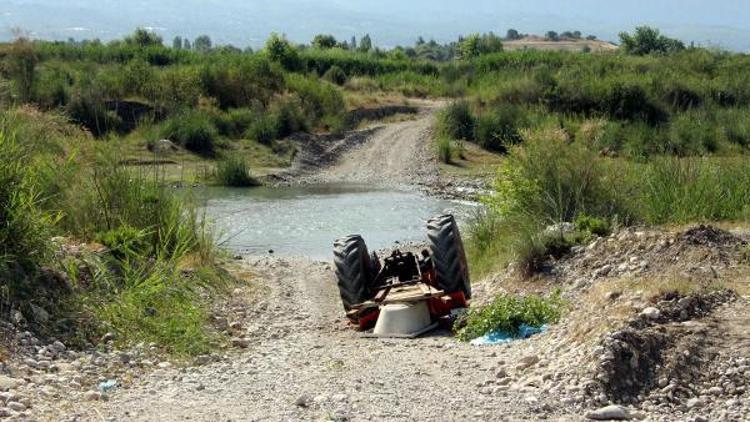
(716, 23)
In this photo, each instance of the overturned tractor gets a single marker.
(405, 295)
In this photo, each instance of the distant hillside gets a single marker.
(541, 43)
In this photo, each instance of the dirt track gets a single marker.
(304, 363)
(392, 155)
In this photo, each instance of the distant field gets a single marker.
(537, 43)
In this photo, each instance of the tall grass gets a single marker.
(25, 226)
(549, 179)
(233, 171)
(674, 190)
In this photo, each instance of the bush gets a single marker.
(233, 171)
(194, 130)
(456, 121)
(593, 225)
(335, 75)
(499, 129)
(444, 148)
(507, 313)
(262, 130)
(693, 134)
(289, 116)
(124, 242)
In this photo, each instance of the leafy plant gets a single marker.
(507, 313)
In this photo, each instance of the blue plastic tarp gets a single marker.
(502, 337)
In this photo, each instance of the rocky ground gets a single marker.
(629, 348)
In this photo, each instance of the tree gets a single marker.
(353, 43)
(648, 40)
(177, 43)
(21, 66)
(186, 44)
(143, 38)
(420, 41)
(512, 34)
(365, 44)
(280, 50)
(552, 36)
(475, 45)
(202, 44)
(324, 41)
(591, 37)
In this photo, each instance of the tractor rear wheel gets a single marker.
(354, 270)
(448, 255)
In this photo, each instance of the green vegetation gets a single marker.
(507, 313)
(147, 283)
(233, 171)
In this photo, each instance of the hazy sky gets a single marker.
(724, 23)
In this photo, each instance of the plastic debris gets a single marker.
(105, 386)
(502, 337)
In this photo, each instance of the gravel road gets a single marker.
(305, 363)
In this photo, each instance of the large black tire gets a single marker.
(448, 255)
(354, 270)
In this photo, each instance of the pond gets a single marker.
(305, 220)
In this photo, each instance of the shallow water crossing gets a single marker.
(305, 220)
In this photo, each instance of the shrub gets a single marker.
(319, 100)
(544, 178)
(335, 75)
(444, 148)
(499, 129)
(262, 130)
(233, 171)
(456, 121)
(693, 134)
(735, 125)
(632, 103)
(193, 130)
(289, 116)
(593, 225)
(124, 242)
(507, 313)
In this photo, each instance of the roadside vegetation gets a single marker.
(508, 314)
(89, 247)
(653, 133)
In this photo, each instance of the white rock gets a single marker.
(610, 413)
(302, 401)
(651, 313)
(716, 391)
(527, 361)
(16, 406)
(92, 396)
(694, 403)
(7, 383)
